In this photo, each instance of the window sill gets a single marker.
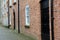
(27, 26)
(14, 3)
(10, 6)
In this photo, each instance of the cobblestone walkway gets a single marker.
(7, 34)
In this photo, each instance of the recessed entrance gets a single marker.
(14, 19)
(45, 31)
(45, 24)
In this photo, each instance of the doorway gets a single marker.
(14, 19)
(45, 24)
(45, 31)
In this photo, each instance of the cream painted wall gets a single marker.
(4, 13)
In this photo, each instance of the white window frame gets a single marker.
(10, 18)
(27, 16)
(15, 1)
(6, 9)
(10, 2)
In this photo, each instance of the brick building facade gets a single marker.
(34, 14)
(13, 10)
(56, 13)
(36, 18)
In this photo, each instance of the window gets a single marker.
(4, 1)
(10, 18)
(14, 0)
(10, 2)
(27, 15)
(6, 9)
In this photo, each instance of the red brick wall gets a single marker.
(56, 7)
(35, 18)
(35, 22)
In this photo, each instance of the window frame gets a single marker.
(27, 16)
(15, 1)
(10, 3)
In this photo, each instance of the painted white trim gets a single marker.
(27, 16)
(10, 2)
(15, 0)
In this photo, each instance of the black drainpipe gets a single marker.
(8, 15)
(18, 18)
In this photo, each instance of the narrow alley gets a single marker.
(7, 34)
